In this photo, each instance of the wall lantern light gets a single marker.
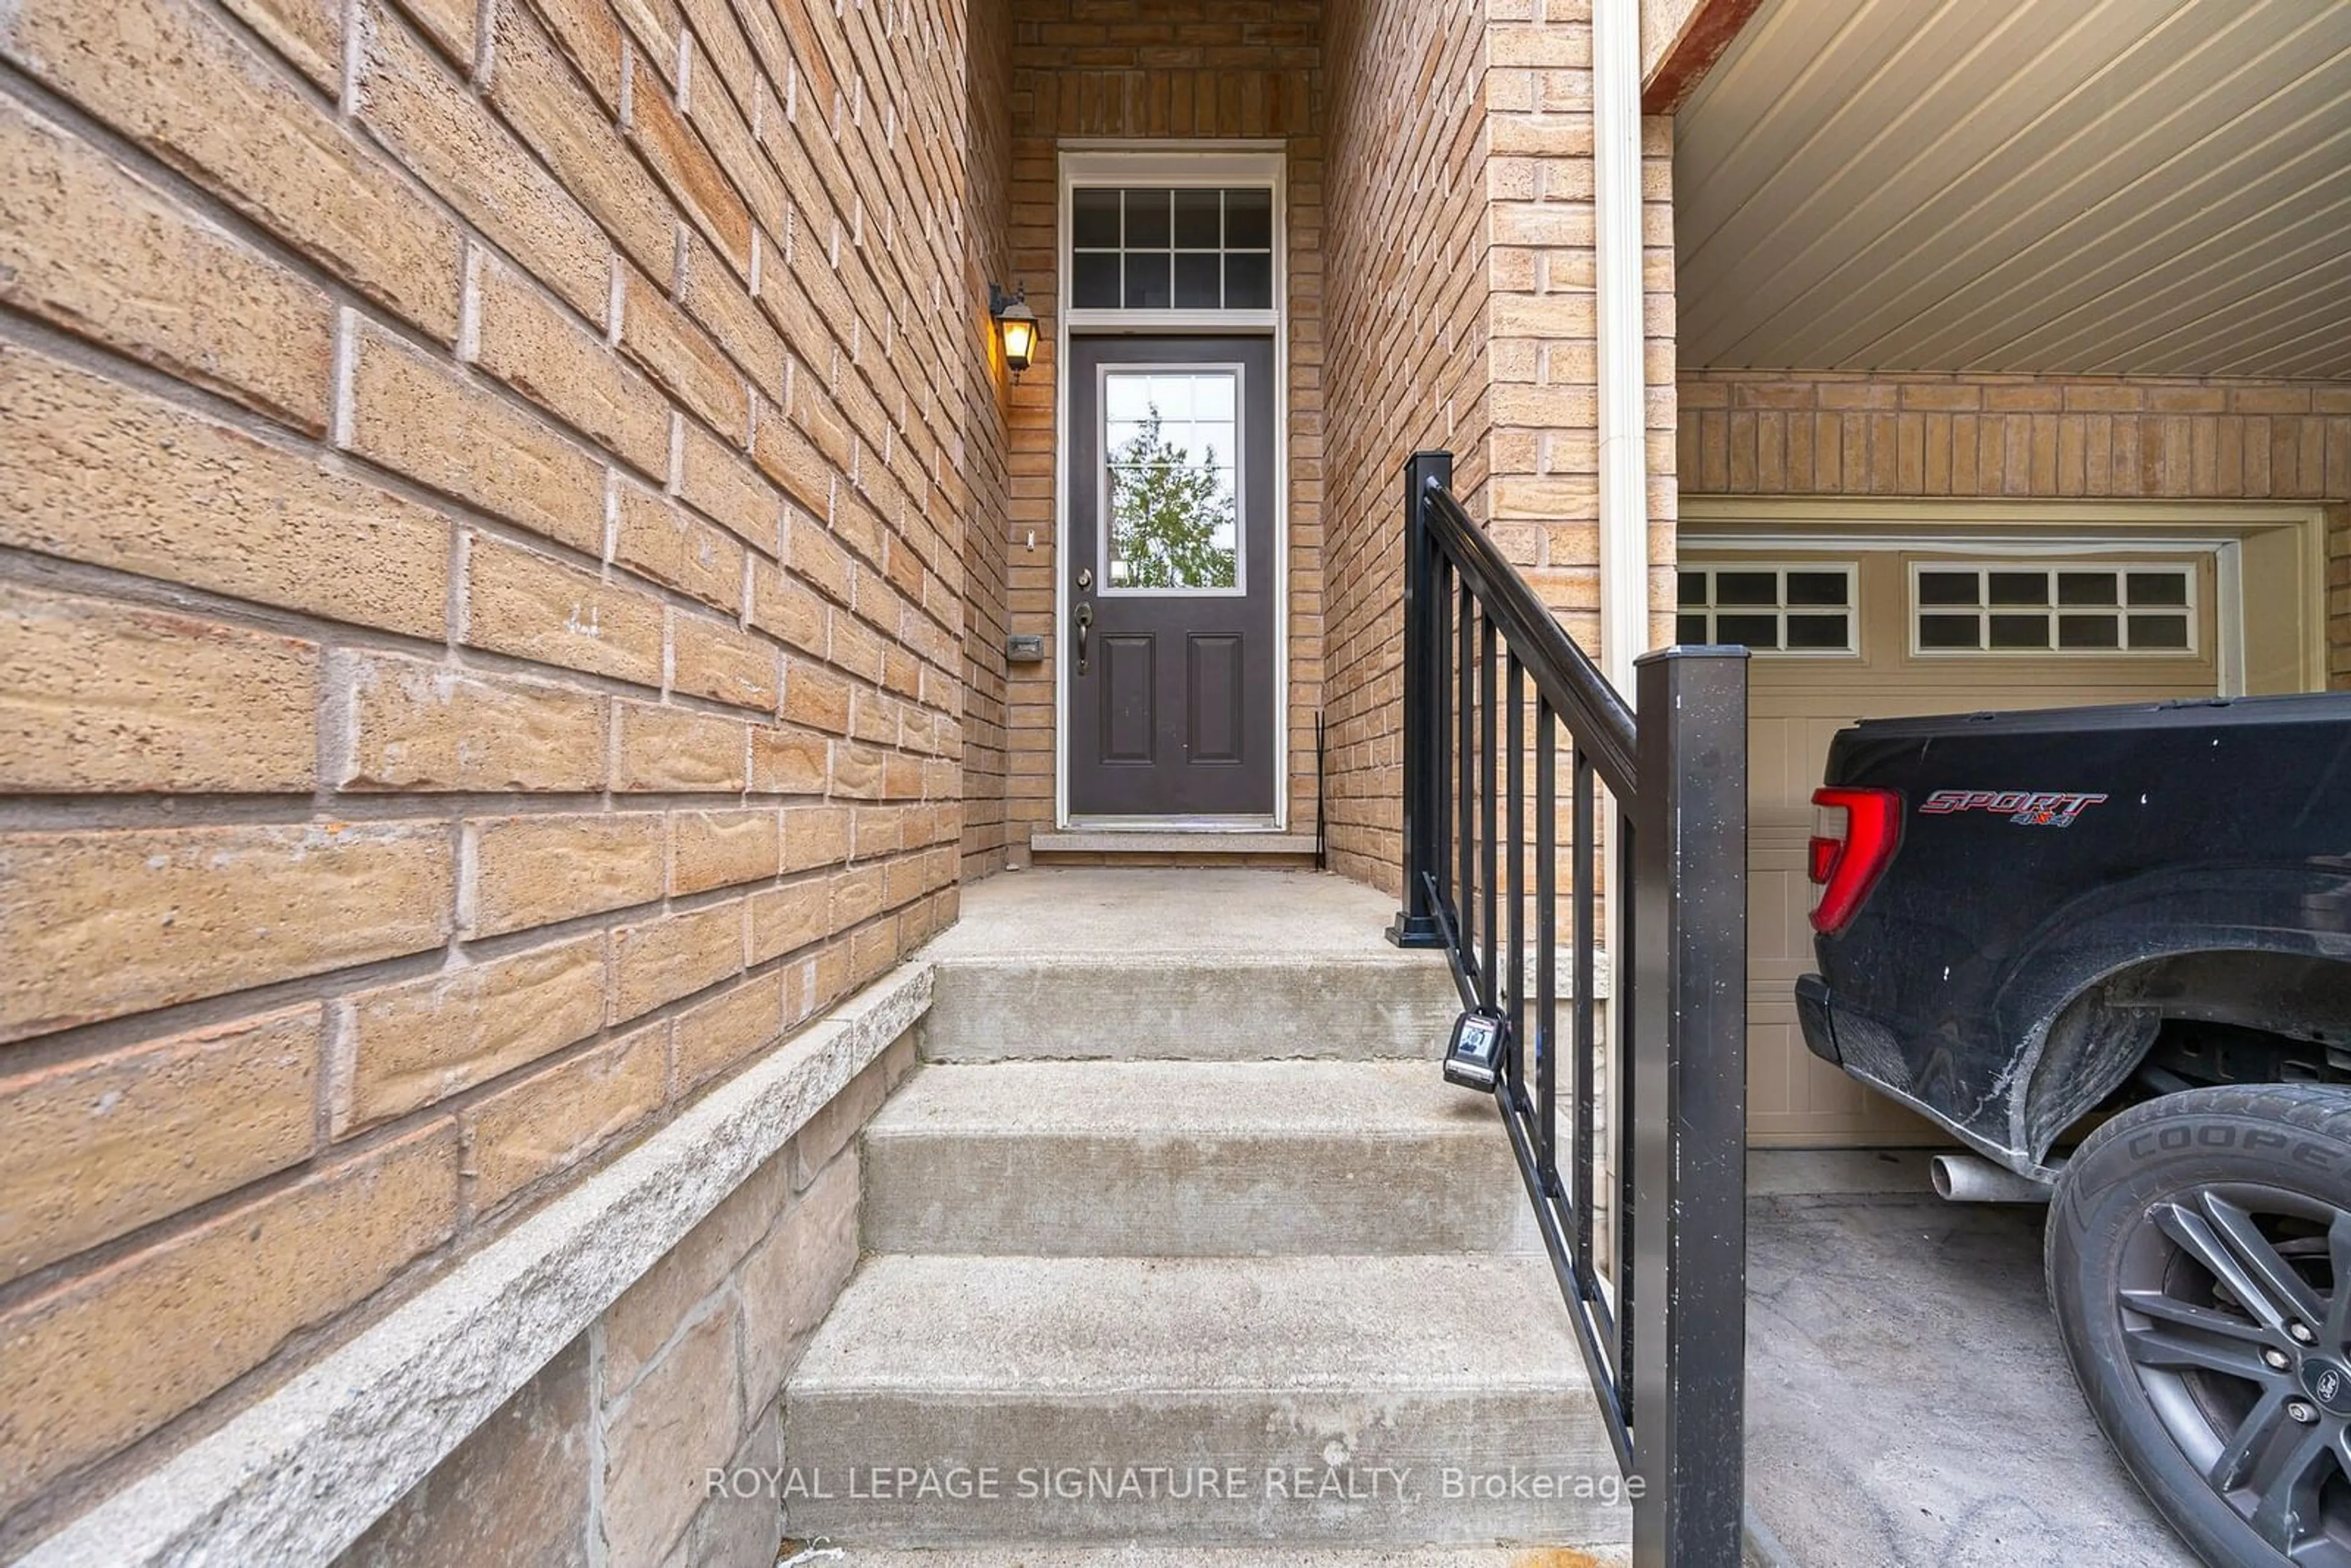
(1017, 324)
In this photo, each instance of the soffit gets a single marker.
(2127, 187)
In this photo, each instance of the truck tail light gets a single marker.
(1847, 865)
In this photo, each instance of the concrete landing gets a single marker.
(1220, 1401)
(1191, 1159)
(1171, 913)
(1207, 964)
(1908, 1405)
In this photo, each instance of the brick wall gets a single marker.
(1408, 297)
(485, 509)
(1176, 70)
(604, 1456)
(1463, 317)
(1789, 433)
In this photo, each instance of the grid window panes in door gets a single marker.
(1153, 248)
(2057, 607)
(1171, 445)
(1795, 608)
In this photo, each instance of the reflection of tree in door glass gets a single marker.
(1173, 521)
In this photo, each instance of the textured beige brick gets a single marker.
(553, 1120)
(815, 836)
(513, 1495)
(714, 296)
(97, 1147)
(308, 33)
(815, 698)
(522, 602)
(108, 256)
(413, 414)
(784, 607)
(589, 33)
(717, 481)
(682, 357)
(529, 84)
(672, 955)
(80, 1375)
(675, 748)
(411, 104)
(714, 1035)
(786, 919)
(409, 725)
(670, 545)
(92, 471)
(174, 78)
(531, 871)
(530, 343)
(102, 696)
(787, 762)
(712, 659)
(717, 849)
(424, 1039)
(101, 923)
(450, 25)
(686, 168)
(679, 1418)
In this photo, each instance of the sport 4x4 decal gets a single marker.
(2026, 808)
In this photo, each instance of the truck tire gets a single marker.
(2199, 1258)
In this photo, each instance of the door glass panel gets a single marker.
(1173, 468)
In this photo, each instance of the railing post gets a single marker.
(1687, 1049)
(1424, 744)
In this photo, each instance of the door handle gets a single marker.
(1085, 618)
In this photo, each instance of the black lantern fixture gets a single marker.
(1016, 324)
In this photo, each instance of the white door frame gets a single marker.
(1961, 526)
(1174, 163)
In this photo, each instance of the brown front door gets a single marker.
(1172, 573)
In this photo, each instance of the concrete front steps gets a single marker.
(1146, 1287)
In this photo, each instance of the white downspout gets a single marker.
(1623, 397)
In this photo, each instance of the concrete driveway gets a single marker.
(1908, 1405)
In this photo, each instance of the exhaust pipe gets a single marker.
(1968, 1179)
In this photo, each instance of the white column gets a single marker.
(1623, 417)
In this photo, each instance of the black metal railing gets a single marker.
(1633, 1156)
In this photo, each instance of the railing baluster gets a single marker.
(1466, 752)
(1514, 700)
(1440, 687)
(1626, 1005)
(1489, 740)
(1587, 941)
(1546, 954)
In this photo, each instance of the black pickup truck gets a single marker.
(2110, 949)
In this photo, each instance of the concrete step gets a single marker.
(1218, 966)
(1203, 1006)
(1190, 1159)
(1386, 1402)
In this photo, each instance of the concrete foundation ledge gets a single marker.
(303, 1473)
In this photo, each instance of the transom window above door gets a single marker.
(1171, 441)
(1171, 249)
(1806, 609)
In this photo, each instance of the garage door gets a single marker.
(1840, 636)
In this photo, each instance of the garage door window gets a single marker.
(1799, 608)
(2114, 608)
